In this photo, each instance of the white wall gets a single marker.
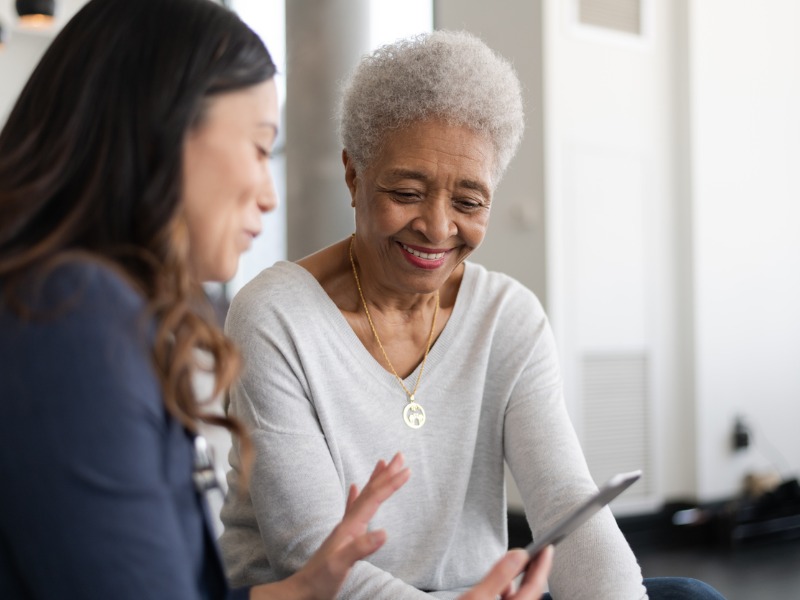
(17, 61)
(24, 48)
(745, 91)
(611, 124)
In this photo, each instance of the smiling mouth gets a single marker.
(423, 255)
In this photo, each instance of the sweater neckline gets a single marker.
(360, 352)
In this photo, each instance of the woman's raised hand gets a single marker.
(324, 573)
(500, 580)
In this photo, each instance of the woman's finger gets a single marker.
(357, 548)
(352, 494)
(377, 490)
(536, 574)
(361, 507)
(349, 541)
(364, 507)
(499, 581)
(379, 466)
(499, 577)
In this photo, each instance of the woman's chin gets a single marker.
(218, 273)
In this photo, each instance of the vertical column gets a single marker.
(515, 243)
(324, 40)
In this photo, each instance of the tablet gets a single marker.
(584, 511)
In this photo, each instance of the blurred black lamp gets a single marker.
(36, 13)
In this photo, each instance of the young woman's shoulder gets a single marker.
(84, 334)
(90, 285)
(58, 291)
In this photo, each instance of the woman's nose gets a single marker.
(435, 220)
(267, 198)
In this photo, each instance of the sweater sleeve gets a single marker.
(89, 508)
(296, 494)
(549, 468)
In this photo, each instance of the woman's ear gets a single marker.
(350, 177)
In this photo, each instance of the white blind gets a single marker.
(616, 417)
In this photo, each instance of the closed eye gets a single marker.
(263, 153)
(467, 205)
(403, 196)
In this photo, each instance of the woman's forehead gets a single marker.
(420, 150)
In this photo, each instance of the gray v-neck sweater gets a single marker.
(323, 411)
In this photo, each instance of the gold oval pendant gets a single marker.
(414, 415)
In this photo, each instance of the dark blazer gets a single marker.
(96, 491)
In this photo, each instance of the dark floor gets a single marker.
(763, 572)
(764, 568)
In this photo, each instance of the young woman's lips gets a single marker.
(247, 238)
(424, 258)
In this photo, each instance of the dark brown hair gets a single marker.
(91, 165)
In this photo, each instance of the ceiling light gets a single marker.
(36, 13)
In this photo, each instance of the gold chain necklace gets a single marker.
(413, 413)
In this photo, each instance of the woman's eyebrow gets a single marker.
(475, 185)
(400, 173)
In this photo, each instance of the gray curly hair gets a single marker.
(446, 75)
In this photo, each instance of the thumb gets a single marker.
(500, 576)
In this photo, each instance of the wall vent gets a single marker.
(616, 418)
(618, 15)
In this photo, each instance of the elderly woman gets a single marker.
(390, 340)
